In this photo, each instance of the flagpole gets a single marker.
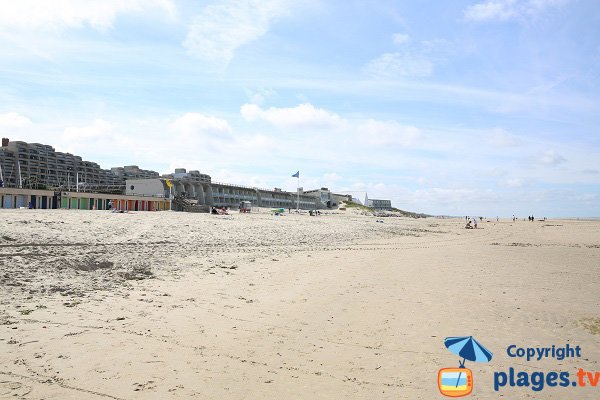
(298, 197)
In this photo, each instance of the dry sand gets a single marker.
(172, 305)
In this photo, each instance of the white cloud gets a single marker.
(259, 96)
(98, 129)
(302, 116)
(220, 29)
(501, 138)
(551, 158)
(406, 64)
(384, 133)
(198, 132)
(309, 118)
(59, 14)
(331, 177)
(514, 183)
(196, 125)
(14, 120)
(400, 38)
(240, 178)
(503, 10)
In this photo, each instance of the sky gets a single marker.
(451, 107)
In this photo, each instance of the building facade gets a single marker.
(37, 176)
(378, 204)
(326, 198)
(40, 166)
(200, 189)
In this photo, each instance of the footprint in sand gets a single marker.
(13, 389)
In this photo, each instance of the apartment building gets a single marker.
(40, 166)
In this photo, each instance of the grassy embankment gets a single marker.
(351, 204)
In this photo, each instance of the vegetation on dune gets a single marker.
(410, 213)
(351, 204)
(402, 213)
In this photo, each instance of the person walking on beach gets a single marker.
(474, 223)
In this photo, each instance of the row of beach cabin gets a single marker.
(47, 199)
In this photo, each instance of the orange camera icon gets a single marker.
(455, 382)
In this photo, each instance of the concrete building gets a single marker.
(326, 198)
(133, 172)
(200, 189)
(379, 204)
(38, 175)
(40, 166)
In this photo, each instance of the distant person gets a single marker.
(497, 219)
(474, 223)
(468, 226)
(532, 218)
(514, 219)
(30, 206)
(480, 219)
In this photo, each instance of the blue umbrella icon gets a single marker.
(469, 349)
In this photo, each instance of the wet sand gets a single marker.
(173, 305)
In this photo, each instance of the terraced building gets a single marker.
(39, 166)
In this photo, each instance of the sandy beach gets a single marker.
(175, 305)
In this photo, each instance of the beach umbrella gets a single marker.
(469, 349)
